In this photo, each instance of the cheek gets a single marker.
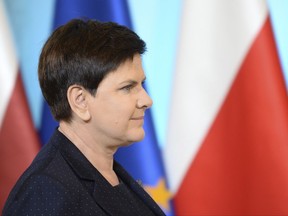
(118, 111)
(119, 115)
(122, 117)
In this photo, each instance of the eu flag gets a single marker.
(142, 160)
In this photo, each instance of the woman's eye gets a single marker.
(127, 88)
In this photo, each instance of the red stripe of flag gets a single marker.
(18, 141)
(242, 165)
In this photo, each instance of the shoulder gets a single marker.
(35, 181)
(48, 187)
(40, 194)
(40, 184)
(51, 185)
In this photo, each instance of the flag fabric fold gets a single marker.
(231, 131)
(18, 140)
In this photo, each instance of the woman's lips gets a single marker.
(138, 118)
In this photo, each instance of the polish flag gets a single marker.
(18, 140)
(227, 151)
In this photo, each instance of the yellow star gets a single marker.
(160, 194)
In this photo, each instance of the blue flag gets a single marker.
(143, 159)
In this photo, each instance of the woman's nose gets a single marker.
(144, 100)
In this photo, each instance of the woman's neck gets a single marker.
(99, 155)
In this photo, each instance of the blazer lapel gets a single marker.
(100, 189)
(95, 184)
(107, 197)
(82, 168)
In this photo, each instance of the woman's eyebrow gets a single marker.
(132, 81)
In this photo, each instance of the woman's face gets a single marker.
(118, 108)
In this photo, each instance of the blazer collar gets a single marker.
(103, 190)
(74, 157)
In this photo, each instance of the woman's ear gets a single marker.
(78, 100)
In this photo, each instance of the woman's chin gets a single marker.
(135, 137)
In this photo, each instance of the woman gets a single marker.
(91, 76)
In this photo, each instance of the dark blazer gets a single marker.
(61, 181)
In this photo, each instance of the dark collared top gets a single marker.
(61, 181)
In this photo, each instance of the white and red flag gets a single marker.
(227, 151)
(18, 139)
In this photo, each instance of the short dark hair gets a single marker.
(83, 53)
